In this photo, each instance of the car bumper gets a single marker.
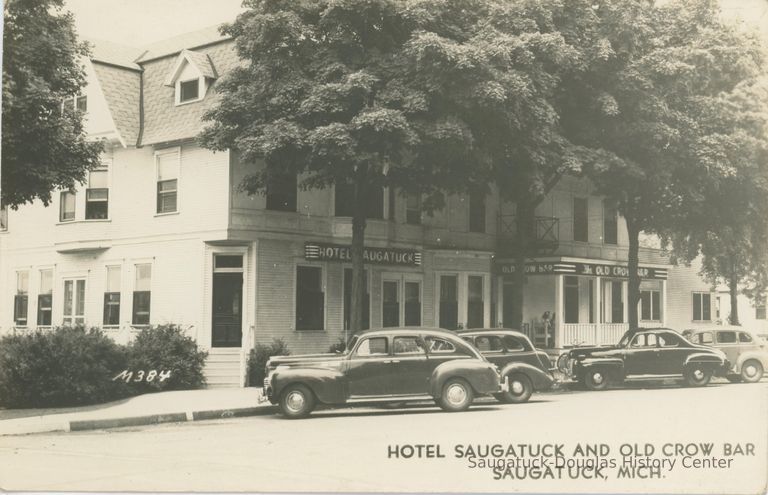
(724, 370)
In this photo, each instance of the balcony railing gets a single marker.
(546, 230)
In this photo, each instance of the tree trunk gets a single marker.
(633, 263)
(524, 214)
(358, 244)
(733, 287)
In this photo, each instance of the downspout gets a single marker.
(141, 109)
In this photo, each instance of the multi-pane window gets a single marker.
(348, 301)
(45, 298)
(390, 303)
(413, 208)
(97, 194)
(475, 301)
(310, 298)
(571, 299)
(650, 305)
(81, 103)
(142, 294)
(281, 193)
(477, 212)
(74, 302)
(189, 90)
(702, 306)
(449, 302)
(610, 223)
(3, 218)
(580, 220)
(67, 206)
(760, 311)
(21, 299)
(345, 201)
(112, 297)
(412, 308)
(167, 181)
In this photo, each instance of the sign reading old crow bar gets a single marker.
(587, 269)
(383, 256)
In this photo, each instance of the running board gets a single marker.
(652, 377)
(389, 398)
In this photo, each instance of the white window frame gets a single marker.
(4, 213)
(652, 307)
(401, 278)
(73, 317)
(40, 270)
(159, 153)
(201, 89)
(711, 307)
(106, 165)
(121, 310)
(132, 278)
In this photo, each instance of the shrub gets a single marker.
(339, 346)
(258, 357)
(65, 366)
(166, 348)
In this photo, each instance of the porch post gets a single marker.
(664, 303)
(596, 310)
(559, 314)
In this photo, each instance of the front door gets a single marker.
(227, 310)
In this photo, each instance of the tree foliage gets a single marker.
(43, 148)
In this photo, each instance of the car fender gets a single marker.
(326, 384)
(761, 356)
(540, 379)
(612, 364)
(481, 375)
(704, 358)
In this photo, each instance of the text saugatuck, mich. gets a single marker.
(582, 460)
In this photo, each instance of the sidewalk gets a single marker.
(162, 407)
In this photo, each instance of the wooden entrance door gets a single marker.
(227, 310)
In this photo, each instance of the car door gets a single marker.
(408, 372)
(492, 348)
(672, 353)
(727, 341)
(640, 357)
(519, 351)
(367, 367)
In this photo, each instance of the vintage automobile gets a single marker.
(393, 365)
(747, 353)
(645, 353)
(525, 368)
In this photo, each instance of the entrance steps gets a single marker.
(222, 368)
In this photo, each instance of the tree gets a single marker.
(329, 91)
(643, 113)
(43, 147)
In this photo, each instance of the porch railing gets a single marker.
(593, 333)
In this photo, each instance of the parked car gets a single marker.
(525, 368)
(747, 352)
(384, 366)
(645, 353)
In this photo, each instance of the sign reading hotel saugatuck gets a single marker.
(586, 269)
(382, 256)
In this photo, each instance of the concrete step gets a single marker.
(222, 368)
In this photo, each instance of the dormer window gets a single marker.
(191, 76)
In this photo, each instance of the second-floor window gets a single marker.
(281, 193)
(477, 212)
(97, 195)
(580, 220)
(702, 303)
(413, 208)
(650, 305)
(345, 201)
(67, 206)
(3, 218)
(167, 180)
(610, 223)
(45, 298)
(81, 103)
(189, 90)
(21, 299)
(142, 294)
(760, 311)
(112, 297)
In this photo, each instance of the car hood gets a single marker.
(588, 351)
(303, 360)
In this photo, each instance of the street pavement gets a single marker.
(351, 449)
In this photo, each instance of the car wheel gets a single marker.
(751, 371)
(697, 376)
(596, 379)
(457, 395)
(520, 389)
(733, 378)
(297, 401)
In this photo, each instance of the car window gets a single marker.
(513, 343)
(638, 341)
(644, 340)
(745, 337)
(375, 346)
(726, 337)
(469, 340)
(668, 340)
(489, 343)
(439, 346)
(705, 338)
(407, 345)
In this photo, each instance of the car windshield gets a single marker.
(624, 342)
(351, 344)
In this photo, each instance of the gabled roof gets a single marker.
(115, 54)
(121, 89)
(189, 41)
(199, 61)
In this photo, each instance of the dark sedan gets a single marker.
(525, 368)
(642, 354)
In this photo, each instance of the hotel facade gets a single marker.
(161, 233)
